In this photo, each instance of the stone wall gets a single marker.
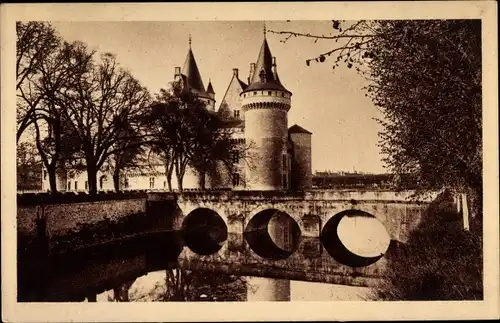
(78, 221)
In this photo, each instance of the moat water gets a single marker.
(155, 286)
(147, 269)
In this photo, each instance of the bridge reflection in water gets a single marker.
(233, 273)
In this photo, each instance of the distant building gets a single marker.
(278, 158)
(350, 180)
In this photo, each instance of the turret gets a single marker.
(211, 94)
(192, 81)
(265, 103)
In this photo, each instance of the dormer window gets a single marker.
(236, 113)
(262, 75)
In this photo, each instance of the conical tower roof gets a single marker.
(263, 77)
(192, 73)
(210, 89)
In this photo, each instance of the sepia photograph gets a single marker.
(251, 161)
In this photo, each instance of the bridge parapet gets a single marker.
(381, 195)
(31, 199)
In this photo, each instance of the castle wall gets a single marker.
(145, 180)
(302, 170)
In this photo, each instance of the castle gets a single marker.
(281, 156)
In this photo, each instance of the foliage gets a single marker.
(184, 133)
(425, 76)
(441, 261)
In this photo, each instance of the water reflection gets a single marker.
(160, 267)
(161, 286)
(182, 285)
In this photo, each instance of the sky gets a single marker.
(329, 103)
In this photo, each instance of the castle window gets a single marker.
(236, 113)
(69, 186)
(164, 184)
(76, 185)
(284, 162)
(236, 179)
(151, 182)
(254, 92)
(282, 94)
(269, 93)
(44, 174)
(86, 185)
(285, 183)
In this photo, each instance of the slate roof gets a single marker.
(298, 129)
(263, 77)
(210, 89)
(192, 73)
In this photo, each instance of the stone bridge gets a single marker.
(274, 234)
(234, 232)
(311, 210)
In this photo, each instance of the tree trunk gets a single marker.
(169, 178)
(169, 182)
(179, 181)
(116, 180)
(180, 175)
(92, 179)
(52, 179)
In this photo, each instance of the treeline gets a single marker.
(85, 112)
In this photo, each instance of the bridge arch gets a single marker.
(204, 231)
(355, 238)
(281, 207)
(272, 233)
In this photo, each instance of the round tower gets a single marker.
(265, 103)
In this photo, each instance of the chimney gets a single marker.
(235, 72)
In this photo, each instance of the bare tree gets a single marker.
(55, 141)
(102, 103)
(34, 43)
